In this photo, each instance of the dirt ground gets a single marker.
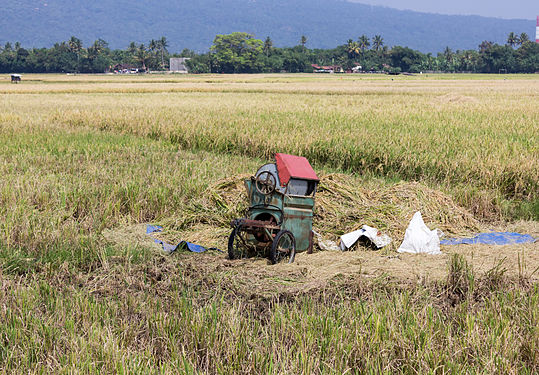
(314, 271)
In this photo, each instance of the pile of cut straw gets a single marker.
(342, 205)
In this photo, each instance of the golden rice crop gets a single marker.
(479, 135)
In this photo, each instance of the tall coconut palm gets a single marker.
(377, 42)
(352, 48)
(94, 50)
(268, 45)
(142, 55)
(75, 45)
(153, 46)
(448, 54)
(163, 44)
(303, 41)
(512, 39)
(523, 38)
(153, 52)
(429, 61)
(132, 48)
(485, 46)
(364, 43)
(466, 60)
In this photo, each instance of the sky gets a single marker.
(524, 9)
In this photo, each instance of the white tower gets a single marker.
(537, 31)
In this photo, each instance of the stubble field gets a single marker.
(86, 161)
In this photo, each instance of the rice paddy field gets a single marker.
(87, 161)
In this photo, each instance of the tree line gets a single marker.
(240, 52)
(72, 57)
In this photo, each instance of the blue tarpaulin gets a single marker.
(492, 238)
(183, 245)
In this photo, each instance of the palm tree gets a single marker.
(523, 38)
(449, 59)
(512, 39)
(153, 46)
(467, 60)
(484, 46)
(352, 48)
(429, 61)
(163, 44)
(100, 44)
(377, 42)
(268, 45)
(448, 55)
(303, 41)
(132, 48)
(363, 43)
(95, 49)
(75, 45)
(141, 56)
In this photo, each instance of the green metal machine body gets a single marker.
(280, 214)
(292, 213)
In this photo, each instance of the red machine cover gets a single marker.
(290, 166)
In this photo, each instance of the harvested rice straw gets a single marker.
(342, 205)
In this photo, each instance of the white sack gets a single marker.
(379, 240)
(419, 238)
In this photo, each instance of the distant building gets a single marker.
(327, 69)
(537, 31)
(178, 65)
(125, 69)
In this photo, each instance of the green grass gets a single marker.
(60, 190)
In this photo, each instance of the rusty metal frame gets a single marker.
(248, 223)
(255, 227)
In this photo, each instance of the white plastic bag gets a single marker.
(379, 240)
(419, 238)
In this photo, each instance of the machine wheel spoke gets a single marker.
(284, 245)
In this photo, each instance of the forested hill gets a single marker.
(194, 24)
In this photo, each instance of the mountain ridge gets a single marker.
(326, 23)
